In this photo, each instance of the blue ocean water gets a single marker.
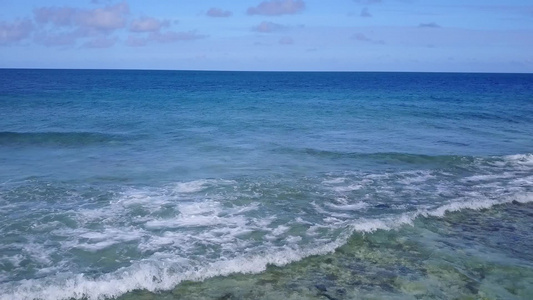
(140, 184)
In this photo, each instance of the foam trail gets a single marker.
(391, 223)
(520, 159)
(154, 276)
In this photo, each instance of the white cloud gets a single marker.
(62, 26)
(277, 7)
(15, 31)
(109, 18)
(218, 13)
(265, 27)
(58, 16)
(173, 36)
(147, 24)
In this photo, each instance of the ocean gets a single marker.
(265, 185)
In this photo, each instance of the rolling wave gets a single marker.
(257, 223)
(409, 158)
(164, 273)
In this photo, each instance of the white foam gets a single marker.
(192, 186)
(385, 223)
(524, 181)
(487, 177)
(281, 229)
(332, 220)
(156, 275)
(197, 214)
(523, 198)
(163, 272)
(199, 185)
(148, 198)
(242, 209)
(276, 233)
(349, 188)
(313, 230)
(334, 180)
(348, 207)
(520, 159)
(516, 161)
(264, 222)
(377, 176)
(15, 260)
(293, 239)
(392, 222)
(189, 221)
(457, 206)
(218, 238)
(94, 241)
(415, 177)
(199, 208)
(38, 253)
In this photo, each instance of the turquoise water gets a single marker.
(247, 185)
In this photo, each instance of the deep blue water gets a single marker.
(118, 182)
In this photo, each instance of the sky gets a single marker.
(271, 35)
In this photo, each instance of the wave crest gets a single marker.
(158, 274)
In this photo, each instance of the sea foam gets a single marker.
(192, 232)
(153, 275)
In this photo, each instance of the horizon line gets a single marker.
(258, 71)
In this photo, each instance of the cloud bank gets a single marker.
(66, 26)
(108, 18)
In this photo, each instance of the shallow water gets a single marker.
(138, 184)
(467, 255)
